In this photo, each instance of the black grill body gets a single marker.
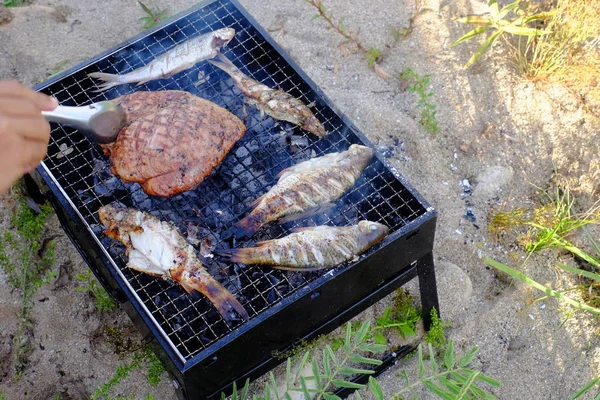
(203, 353)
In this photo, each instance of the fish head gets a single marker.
(360, 156)
(222, 37)
(313, 125)
(373, 232)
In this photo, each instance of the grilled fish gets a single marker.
(157, 248)
(306, 186)
(180, 58)
(313, 248)
(276, 103)
(173, 140)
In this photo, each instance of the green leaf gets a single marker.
(432, 363)
(329, 351)
(356, 394)
(549, 292)
(317, 374)
(372, 347)
(233, 395)
(470, 34)
(375, 388)
(580, 272)
(362, 332)
(146, 9)
(449, 355)
(245, 389)
(475, 20)
(523, 31)
(438, 391)
(357, 358)
(508, 8)
(449, 384)
(380, 339)
(484, 47)
(493, 4)
(273, 382)
(586, 388)
(347, 340)
(488, 380)
(316, 16)
(421, 365)
(345, 384)
(468, 357)
(326, 364)
(304, 388)
(351, 371)
(467, 385)
(329, 396)
(322, 7)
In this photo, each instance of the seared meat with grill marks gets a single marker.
(172, 141)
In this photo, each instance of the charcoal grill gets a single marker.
(203, 353)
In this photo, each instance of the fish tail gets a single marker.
(110, 80)
(247, 226)
(244, 255)
(225, 64)
(220, 297)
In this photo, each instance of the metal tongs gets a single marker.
(100, 122)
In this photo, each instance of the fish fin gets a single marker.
(299, 269)
(258, 200)
(309, 213)
(109, 80)
(247, 226)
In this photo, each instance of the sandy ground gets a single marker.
(498, 132)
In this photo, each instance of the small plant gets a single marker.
(402, 316)
(26, 259)
(372, 55)
(103, 301)
(436, 334)
(497, 23)
(14, 3)
(588, 386)
(419, 86)
(154, 16)
(140, 359)
(448, 378)
(550, 226)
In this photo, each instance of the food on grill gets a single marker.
(157, 248)
(306, 186)
(180, 58)
(172, 141)
(276, 103)
(313, 248)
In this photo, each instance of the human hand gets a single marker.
(24, 132)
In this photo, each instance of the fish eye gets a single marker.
(373, 228)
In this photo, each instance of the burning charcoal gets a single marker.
(298, 143)
(192, 234)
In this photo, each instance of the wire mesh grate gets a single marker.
(82, 170)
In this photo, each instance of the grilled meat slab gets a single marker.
(172, 141)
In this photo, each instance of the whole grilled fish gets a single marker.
(157, 248)
(180, 58)
(276, 103)
(306, 186)
(313, 248)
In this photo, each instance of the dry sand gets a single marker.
(498, 132)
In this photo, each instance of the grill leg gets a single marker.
(428, 288)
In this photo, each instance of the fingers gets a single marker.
(34, 153)
(35, 129)
(40, 100)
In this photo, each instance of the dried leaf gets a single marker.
(380, 71)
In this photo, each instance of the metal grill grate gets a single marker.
(82, 171)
